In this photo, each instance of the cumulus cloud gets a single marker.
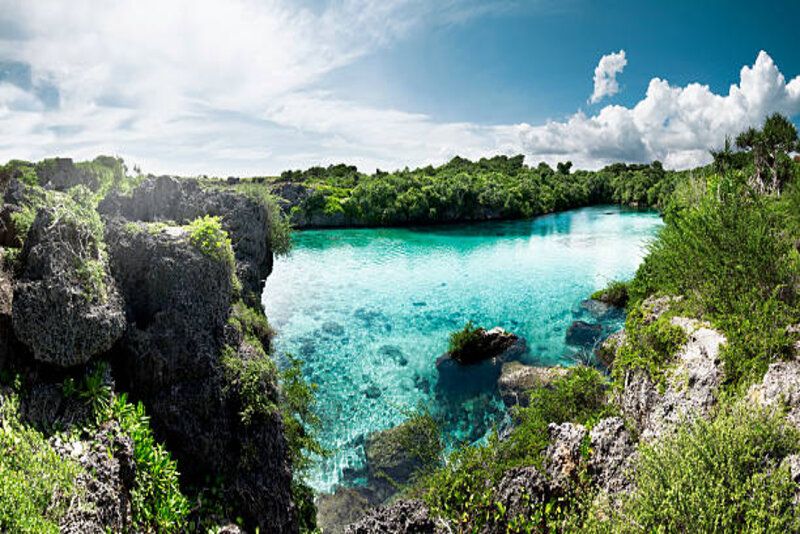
(605, 75)
(677, 125)
(232, 87)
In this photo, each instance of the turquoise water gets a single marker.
(369, 310)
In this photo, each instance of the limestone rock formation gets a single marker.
(66, 308)
(178, 301)
(607, 350)
(403, 517)
(612, 452)
(691, 383)
(563, 455)
(780, 388)
(170, 199)
(517, 380)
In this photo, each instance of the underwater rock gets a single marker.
(597, 309)
(333, 328)
(342, 507)
(517, 380)
(373, 392)
(394, 353)
(583, 334)
(477, 366)
(402, 517)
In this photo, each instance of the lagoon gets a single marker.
(368, 311)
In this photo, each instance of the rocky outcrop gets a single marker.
(179, 200)
(104, 484)
(612, 452)
(476, 366)
(563, 455)
(583, 334)
(690, 388)
(780, 389)
(403, 517)
(178, 300)
(66, 308)
(517, 380)
(521, 491)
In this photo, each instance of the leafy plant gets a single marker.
(460, 339)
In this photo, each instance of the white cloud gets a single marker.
(605, 75)
(232, 87)
(677, 125)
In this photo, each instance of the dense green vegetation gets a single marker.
(36, 484)
(722, 475)
(498, 187)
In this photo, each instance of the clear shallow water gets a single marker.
(370, 310)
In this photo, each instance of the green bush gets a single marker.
(615, 294)
(255, 382)
(209, 237)
(714, 476)
(36, 484)
(460, 339)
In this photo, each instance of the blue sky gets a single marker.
(258, 86)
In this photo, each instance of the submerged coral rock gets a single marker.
(403, 517)
(66, 308)
(393, 457)
(691, 388)
(583, 334)
(607, 351)
(517, 380)
(337, 510)
(612, 449)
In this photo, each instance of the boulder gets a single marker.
(691, 383)
(563, 455)
(517, 380)
(598, 309)
(402, 517)
(612, 452)
(476, 367)
(394, 456)
(606, 352)
(66, 308)
(583, 334)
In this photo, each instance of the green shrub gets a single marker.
(254, 380)
(36, 484)
(157, 502)
(209, 237)
(615, 294)
(717, 476)
(280, 230)
(253, 325)
(460, 339)
(648, 345)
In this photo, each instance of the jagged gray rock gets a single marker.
(105, 483)
(181, 200)
(780, 388)
(612, 452)
(607, 350)
(563, 455)
(691, 384)
(521, 490)
(341, 508)
(178, 302)
(402, 517)
(57, 312)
